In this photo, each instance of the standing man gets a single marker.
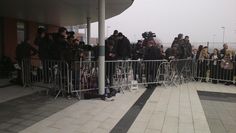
(110, 54)
(152, 52)
(23, 53)
(187, 47)
(123, 48)
(137, 55)
(43, 44)
(61, 43)
(180, 47)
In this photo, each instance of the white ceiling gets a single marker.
(60, 12)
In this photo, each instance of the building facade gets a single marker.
(14, 31)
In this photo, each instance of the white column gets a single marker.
(88, 35)
(101, 28)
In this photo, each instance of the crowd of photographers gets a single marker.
(219, 65)
(53, 46)
(64, 46)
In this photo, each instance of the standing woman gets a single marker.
(228, 66)
(203, 62)
(197, 61)
(214, 65)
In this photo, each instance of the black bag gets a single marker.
(91, 94)
(112, 93)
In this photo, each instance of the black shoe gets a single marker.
(221, 81)
(214, 82)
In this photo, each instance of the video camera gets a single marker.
(70, 33)
(148, 35)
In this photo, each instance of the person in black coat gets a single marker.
(123, 48)
(187, 48)
(114, 37)
(24, 51)
(152, 54)
(110, 54)
(137, 54)
(200, 47)
(60, 44)
(42, 44)
(214, 65)
(180, 47)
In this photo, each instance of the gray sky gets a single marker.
(200, 19)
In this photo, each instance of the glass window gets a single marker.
(20, 32)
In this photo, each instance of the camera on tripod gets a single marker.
(148, 35)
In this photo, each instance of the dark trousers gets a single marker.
(214, 70)
(151, 71)
(202, 69)
(110, 71)
(137, 71)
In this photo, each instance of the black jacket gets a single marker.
(110, 53)
(187, 49)
(25, 50)
(43, 47)
(152, 53)
(60, 46)
(123, 48)
(137, 52)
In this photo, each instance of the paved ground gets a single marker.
(4, 82)
(176, 110)
(168, 110)
(25, 111)
(87, 116)
(13, 92)
(220, 111)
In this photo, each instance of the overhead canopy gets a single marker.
(60, 12)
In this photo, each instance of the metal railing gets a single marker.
(215, 70)
(50, 74)
(78, 77)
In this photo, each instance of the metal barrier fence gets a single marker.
(77, 77)
(83, 77)
(215, 70)
(50, 74)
